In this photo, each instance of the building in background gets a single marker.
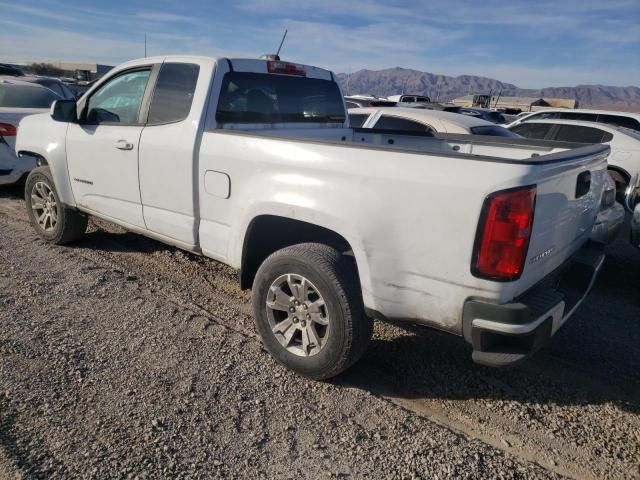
(524, 104)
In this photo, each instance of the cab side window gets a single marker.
(173, 94)
(118, 100)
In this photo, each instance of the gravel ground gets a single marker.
(121, 357)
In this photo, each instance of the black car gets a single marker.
(10, 70)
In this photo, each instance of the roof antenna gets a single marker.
(281, 42)
(145, 45)
(275, 56)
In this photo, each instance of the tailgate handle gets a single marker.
(584, 184)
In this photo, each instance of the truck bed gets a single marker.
(472, 147)
(413, 204)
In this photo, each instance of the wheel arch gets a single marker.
(267, 233)
(40, 160)
(58, 167)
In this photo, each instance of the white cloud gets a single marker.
(164, 17)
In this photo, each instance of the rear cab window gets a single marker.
(248, 97)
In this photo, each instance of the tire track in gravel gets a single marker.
(212, 287)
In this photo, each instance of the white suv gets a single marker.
(618, 119)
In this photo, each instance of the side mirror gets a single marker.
(64, 111)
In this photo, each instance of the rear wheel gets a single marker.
(52, 220)
(309, 311)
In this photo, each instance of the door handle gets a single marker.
(124, 145)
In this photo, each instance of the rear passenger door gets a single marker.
(167, 152)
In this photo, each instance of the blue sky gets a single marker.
(528, 43)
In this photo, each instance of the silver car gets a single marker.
(17, 100)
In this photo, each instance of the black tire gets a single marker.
(335, 277)
(70, 224)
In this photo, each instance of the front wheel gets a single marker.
(52, 220)
(308, 310)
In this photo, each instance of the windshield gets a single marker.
(493, 131)
(23, 96)
(269, 98)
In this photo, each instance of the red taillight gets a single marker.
(286, 68)
(503, 235)
(8, 130)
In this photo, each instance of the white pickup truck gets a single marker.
(252, 163)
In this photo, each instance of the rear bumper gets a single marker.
(608, 224)
(503, 335)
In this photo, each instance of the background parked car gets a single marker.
(610, 219)
(624, 161)
(17, 100)
(633, 203)
(78, 88)
(361, 101)
(618, 119)
(54, 84)
(419, 120)
(488, 115)
(10, 70)
(409, 99)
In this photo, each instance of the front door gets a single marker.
(102, 149)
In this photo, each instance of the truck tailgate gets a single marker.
(569, 189)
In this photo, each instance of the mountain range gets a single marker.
(393, 81)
